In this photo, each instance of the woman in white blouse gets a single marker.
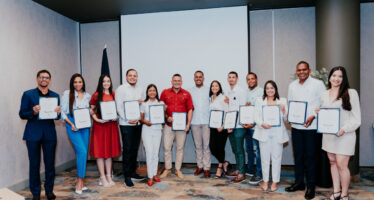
(218, 137)
(151, 134)
(341, 147)
(72, 99)
(271, 139)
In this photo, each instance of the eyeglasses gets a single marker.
(44, 77)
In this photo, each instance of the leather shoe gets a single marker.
(207, 173)
(128, 182)
(179, 174)
(310, 193)
(36, 197)
(50, 195)
(198, 171)
(295, 187)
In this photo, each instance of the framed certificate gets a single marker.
(157, 114)
(48, 106)
(132, 110)
(179, 121)
(297, 112)
(328, 120)
(271, 115)
(108, 110)
(230, 120)
(216, 118)
(82, 118)
(246, 115)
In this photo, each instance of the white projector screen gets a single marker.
(159, 45)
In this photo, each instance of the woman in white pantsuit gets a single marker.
(271, 139)
(341, 147)
(151, 134)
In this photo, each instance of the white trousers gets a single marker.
(151, 141)
(271, 152)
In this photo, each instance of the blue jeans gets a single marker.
(251, 152)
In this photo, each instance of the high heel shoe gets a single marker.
(226, 164)
(335, 195)
(150, 182)
(273, 187)
(111, 182)
(156, 179)
(219, 175)
(103, 182)
(264, 186)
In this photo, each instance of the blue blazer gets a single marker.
(36, 130)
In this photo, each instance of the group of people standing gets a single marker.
(263, 143)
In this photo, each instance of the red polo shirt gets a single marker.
(176, 102)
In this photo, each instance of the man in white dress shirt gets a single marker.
(130, 129)
(304, 136)
(199, 124)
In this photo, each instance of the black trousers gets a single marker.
(130, 145)
(305, 150)
(34, 151)
(217, 143)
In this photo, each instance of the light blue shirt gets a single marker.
(200, 99)
(254, 94)
(78, 103)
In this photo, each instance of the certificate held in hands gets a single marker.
(132, 110)
(328, 120)
(48, 106)
(157, 114)
(82, 118)
(246, 115)
(271, 115)
(108, 110)
(216, 118)
(230, 120)
(179, 121)
(297, 112)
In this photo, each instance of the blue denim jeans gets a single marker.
(253, 152)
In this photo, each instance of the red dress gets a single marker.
(104, 137)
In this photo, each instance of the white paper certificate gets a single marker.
(271, 115)
(246, 115)
(328, 120)
(230, 120)
(157, 114)
(179, 121)
(48, 106)
(82, 118)
(297, 112)
(132, 110)
(216, 118)
(108, 110)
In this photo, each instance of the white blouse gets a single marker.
(218, 103)
(144, 108)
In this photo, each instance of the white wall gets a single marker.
(32, 37)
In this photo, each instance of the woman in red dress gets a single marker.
(104, 136)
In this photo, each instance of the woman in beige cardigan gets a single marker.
(271, 139)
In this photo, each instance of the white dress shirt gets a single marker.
(78, 103)
(200, 99)
(126, 92)
(237, 97)
(310, 92)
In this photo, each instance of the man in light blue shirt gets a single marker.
(254, 92)
(199, 124)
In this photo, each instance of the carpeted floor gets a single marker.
(193, 187)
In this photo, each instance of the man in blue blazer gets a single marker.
(40, 134)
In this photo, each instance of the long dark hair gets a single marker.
(343, 89)
(219, 91)
(100, 92)
(276, 95)
(72, 89)
(148, 87)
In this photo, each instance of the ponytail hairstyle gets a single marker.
(72, 89)
(343, 89)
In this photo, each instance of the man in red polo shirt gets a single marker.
(176, 100)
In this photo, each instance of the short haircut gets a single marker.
(254, 74)
(198, 71)
(303, 62)
(129, 70)
(43, 71)
(176, 75)
(232, 72)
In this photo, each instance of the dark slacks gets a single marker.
(130, 145)
(217, 144)
(49, 150)
(305, 154)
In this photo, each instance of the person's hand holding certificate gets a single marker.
(230, 120)
(82, 118)
(108, 110)
(246, 115)
(132, 110)
(179, 121)
(48, 107)
(271, 115)
(157, 114)
(216, 118)
(297, 112)
(328, 120)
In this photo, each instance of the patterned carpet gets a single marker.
(193, 187)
